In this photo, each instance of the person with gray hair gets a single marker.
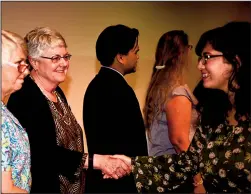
(58, 161)
(15, 162)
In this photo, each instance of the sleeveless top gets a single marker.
(160, 143)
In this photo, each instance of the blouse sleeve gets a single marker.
(165, 173)
(70, 162)
(6, 148)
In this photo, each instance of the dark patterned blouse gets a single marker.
(222, 156)
(70, 136)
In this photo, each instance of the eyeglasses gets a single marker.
(56, 58)
(20, 67)
(206, 57)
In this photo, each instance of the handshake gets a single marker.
(115, 166)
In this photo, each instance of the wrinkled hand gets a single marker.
(126, 159)
(113, 167)
(123, 158)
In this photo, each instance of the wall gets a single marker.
(81, 23)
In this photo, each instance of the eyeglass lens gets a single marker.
(20, 67)
(57, 58)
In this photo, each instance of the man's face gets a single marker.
(131, 59)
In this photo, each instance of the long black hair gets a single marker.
(212, 105)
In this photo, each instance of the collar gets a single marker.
(113, 70)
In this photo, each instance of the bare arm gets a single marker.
(8, 185)
(178, 114)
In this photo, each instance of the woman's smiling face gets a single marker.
(214, 68)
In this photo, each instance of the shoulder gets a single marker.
(185, 91)
(110, 76)
(179, 93)
(5, 143)
(28, 84)
(28, 100)
(28, 91)
(178, 99)
(107, 83)
(5, 122)
(10, 126)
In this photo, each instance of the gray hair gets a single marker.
(10, 42)
(42, 38)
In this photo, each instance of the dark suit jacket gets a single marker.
(48, 160)
(113, 125)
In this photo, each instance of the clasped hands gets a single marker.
(115, 166)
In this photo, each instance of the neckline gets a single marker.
(42, 91)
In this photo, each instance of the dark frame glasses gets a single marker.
(57, 58)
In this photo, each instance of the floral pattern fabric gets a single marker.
(222, 156)
(15, 150)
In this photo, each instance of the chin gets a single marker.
(18, 87)
(208, 85)
(211, 86)
(61, 78)
(131, 71)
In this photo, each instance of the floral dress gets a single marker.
(221, 155)
(15, 150)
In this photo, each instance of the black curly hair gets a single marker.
(233, 40)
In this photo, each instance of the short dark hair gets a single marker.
(117, 39)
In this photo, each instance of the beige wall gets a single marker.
(81, 22)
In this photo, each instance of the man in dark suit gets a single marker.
(111, 113)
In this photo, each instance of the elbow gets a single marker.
(14, 189)
(180, 144)
(9, 187)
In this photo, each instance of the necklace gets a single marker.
(64, 115)
(66, 119)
